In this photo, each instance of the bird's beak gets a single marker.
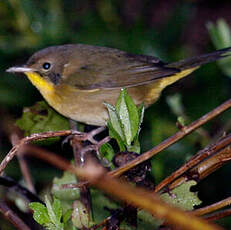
(19, 69)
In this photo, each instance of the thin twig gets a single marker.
(173, 139)
(219, 215)
(15, 139)
(142, 199)
(12, 217)
(201, 155)
(212, 207)
(128, 193)
(204, 168)
(26, 140)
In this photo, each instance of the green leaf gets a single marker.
(40, 214)
(141, 113)
(147, 221)
(54, 212)
(50, 226)
(125, 122)
(115, 121)
(56, 206)
(50, 210)
(115, 135)
(182, 197)
(221, 37)
(67, 215)
(99, 202)
(42, 118)
(175, 103)
(135, 147)
(107, 152)
(181, 121)
(65, 193)
(128, 115)
(80, 215)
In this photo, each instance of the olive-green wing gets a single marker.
(111, 68)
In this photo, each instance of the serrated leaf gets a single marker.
(182, 196)
(80, 215)
(128, 115)
(115, 121)
(40, 214)
(54, 211)
(42, 118)
(50, 210)
(56, 206)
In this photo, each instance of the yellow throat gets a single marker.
(45, 87)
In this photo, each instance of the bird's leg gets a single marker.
(90, 136)
(86, 136)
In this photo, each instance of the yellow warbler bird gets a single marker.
(76, 79)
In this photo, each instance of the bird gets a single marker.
(76, 79)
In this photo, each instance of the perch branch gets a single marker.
(218, 215)
(212, 207)
(201, 155)
(15, 139)
(173, 139)
(138, 197)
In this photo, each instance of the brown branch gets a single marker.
(142, 199)
(212, 207)
(173, 139)
(201, 155)
(126, 192)
(204, 168)
(219, 215)
(15, 139)
(208, 166)
(12, 217)
(26, 140)
(40, 136)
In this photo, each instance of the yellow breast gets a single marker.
(43, 85)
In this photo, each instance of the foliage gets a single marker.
(41, 118)
(50, 215)
(182, 197)
(166, 29)
(65, 193)
(220, 34)
(125, 121)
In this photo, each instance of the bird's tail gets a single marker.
(194, 62)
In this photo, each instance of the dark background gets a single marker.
(169, 29)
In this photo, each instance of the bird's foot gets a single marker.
(82, 136)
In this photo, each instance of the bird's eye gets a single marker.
(46, 65)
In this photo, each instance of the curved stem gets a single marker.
(173, 139)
